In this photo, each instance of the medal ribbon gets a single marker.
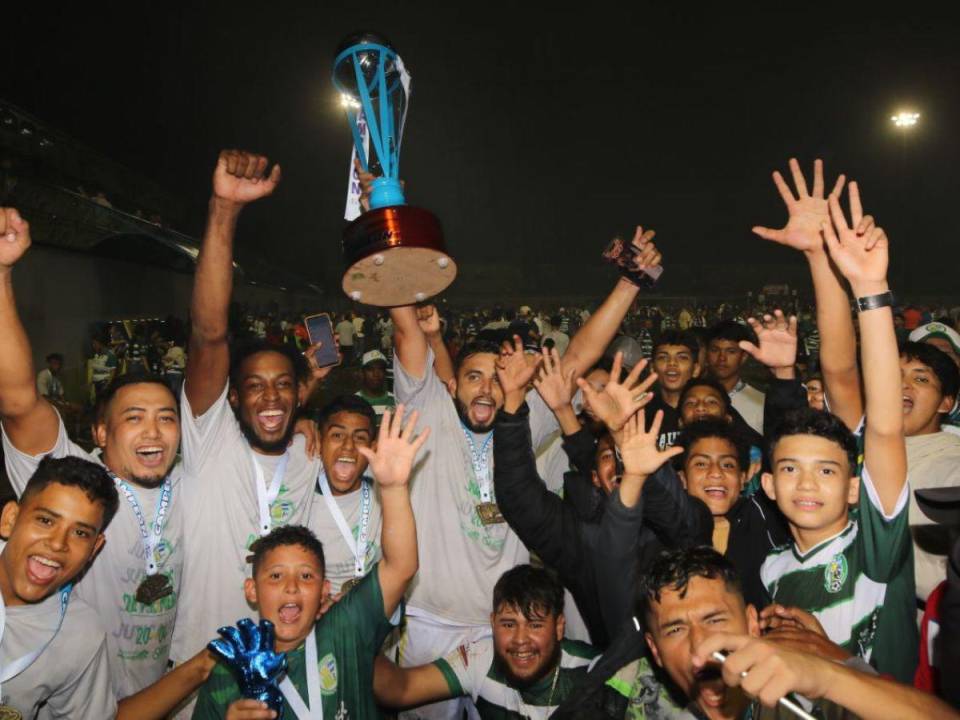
(315, 709)
(150, 541)
(358, 547)
(266, 496)
(16, 667)
(481, 466)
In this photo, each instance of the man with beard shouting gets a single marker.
(465, 545)
(238, 424)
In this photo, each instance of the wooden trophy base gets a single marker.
(396, 256)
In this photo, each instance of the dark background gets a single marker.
(535, 132)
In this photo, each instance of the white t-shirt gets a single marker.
(461, 559)
(71, 675)
(748, 401)
(345, 333)
(138, 636)
(560, 340)
(337, 555)
(222, 518)
(933, 461)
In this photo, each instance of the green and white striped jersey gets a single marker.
(472, 670)
(859, 584)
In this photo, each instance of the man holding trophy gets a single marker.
(396, 259)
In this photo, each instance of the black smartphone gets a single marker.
(320, 330)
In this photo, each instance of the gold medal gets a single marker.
(350, 585)
(151, 589)
(10, 713)
(489, 513)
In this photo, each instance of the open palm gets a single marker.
(806, 212)
(860, 250)
(392, 461)
(777, 336)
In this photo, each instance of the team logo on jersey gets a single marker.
(281, 511)
(328, 674)
(835, 573)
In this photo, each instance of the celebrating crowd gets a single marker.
(546, 517)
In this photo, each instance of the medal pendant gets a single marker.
(10, 713)
(153, 588)
(350, 585)
(489, 513)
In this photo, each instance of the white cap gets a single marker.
(373, 356)
(937, 329)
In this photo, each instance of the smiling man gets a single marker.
(345, 514)
(854, 573)
(238, 423)
(54, 649)
(135, 584)
(525, 670)
(465, 543)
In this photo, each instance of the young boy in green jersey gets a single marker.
(288, 588)
(852, 570)
(525, 670)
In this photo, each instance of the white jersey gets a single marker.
(223, 518)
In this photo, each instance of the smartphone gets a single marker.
(320, 330)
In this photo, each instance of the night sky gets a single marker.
(535, 133)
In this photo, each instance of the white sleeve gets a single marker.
(201, 435)
(470, 665)
(90, 693)
(418, 393)
(21, 466)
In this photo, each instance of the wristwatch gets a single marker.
(872, 302)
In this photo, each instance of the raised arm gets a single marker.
(429, 320)
(409, 341)
(769, 671)
(838, 345)
(239, 178)
(391, 464)
(28, 419)
(397, 687)
(591, 340)
(861, 252)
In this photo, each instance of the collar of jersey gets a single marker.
(803, 557)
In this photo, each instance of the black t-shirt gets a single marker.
(670, 427)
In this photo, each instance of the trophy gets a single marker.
(395, 253)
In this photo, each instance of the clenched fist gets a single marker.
(241, 177)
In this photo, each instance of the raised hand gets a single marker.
(618, 402)
(392, 460)
(647, 255)
(860, 250)
(764, 670)
(241, 177)
(248, 651)
(515, 369)
(638, 448)
(14, 237)
(428, 319)
(555, 385)
(777, 336)
(807, 211)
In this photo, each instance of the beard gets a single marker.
(472, 426)
(150, 482)
(266, 446)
